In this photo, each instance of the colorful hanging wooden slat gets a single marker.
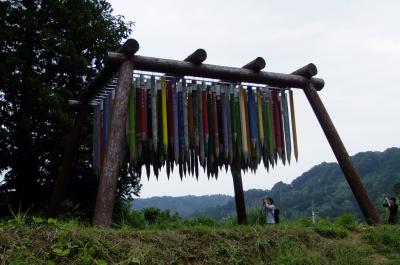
(176, 122)
(285, 114)
(294, 130)
(164, 114)
(132, 126)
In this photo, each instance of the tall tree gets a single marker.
(49, 50)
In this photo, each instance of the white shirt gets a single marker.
(269, 209)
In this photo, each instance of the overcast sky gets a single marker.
(355, 45)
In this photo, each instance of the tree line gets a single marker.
(49, 51)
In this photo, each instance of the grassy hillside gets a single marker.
(326, 186)
(74, 243)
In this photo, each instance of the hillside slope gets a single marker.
(326, 186)
(281, 244)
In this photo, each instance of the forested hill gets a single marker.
(323, 184)
(326, 186)
(184, 205)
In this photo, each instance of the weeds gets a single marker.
(166, 238)
(347, 221)
(326, 229)
(385, 239)
(19, 218)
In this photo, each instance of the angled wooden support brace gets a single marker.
(129, 48)
(114, 155)
(349, 171)
(343, 158)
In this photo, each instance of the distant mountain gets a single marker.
(184, 205)
(323, 184)
(326, 186)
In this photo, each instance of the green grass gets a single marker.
(385, 239)
(197, 241)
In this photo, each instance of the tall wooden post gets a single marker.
(351, 174)
(114, 156)
(239, 195)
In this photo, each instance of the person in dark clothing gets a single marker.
(393, 207)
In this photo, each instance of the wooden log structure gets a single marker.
(77, 105)
(197, 57)
(129, 48)
(352, 176)
(182, 68)
(114, 155)
(61, 184)
(256, 65)
(239, 195)
(307, 71)
(193, 66)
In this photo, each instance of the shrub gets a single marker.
(326, 229)
(201, 220)
(135, 220)
(347, 221)
(151, 215)
(154, 215)
(255, 216)
(385, 238)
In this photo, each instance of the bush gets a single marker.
(151, 215)
(136, 220)
(201, 220)
(125, 216)
(385, 238)
(255, 216)
(305, 222)
(347, 221)
(156, 216)
(326, 229)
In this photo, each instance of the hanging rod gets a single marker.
(195, 79)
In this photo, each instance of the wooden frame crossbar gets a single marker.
(124, 61)
(183, 68)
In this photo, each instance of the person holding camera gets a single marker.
(390, 203)
(269, 209)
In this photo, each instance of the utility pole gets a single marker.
(312, 212)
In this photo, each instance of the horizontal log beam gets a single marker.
(197, 57)
(129, 48)
(256, 65)
(182, 68)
